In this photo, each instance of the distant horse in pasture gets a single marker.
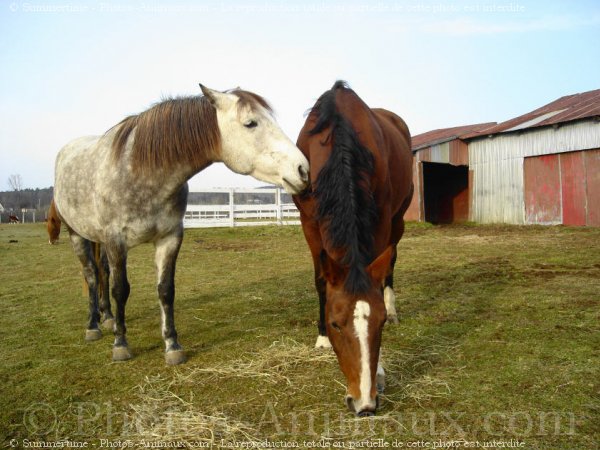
(53, 224)
(129, 186)
(352, 218)
(103, 292)
(13, 219)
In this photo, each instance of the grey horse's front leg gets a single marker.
(167, 250)
(117, 260)
(83, 249)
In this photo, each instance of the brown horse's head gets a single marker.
(354, 326)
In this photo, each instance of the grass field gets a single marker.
(498, 345)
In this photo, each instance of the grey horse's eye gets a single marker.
(251, 124)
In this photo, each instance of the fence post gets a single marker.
(231, 207)
(278, 209)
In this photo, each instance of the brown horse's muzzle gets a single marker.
(365, 411)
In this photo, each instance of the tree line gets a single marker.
(14, 202)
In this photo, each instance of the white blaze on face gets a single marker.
(362, 310)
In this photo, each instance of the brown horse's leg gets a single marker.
(117, 260)
(389, 297)
(320, 284)
(83, 249)
(313, 238)
(388, 287)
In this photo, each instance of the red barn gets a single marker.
(539, 168)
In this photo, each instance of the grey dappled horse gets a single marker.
(129, 186)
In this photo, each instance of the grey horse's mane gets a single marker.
(175, 131)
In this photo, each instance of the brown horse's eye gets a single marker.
(336, 327)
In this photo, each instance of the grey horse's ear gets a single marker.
(208, 93)
(220, 100)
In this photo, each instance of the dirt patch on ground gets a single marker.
(550, 271)
(493, 269)
(227, 246)
(472, 239)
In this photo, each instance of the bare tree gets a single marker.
(15, 182)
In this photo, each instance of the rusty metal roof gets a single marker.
(566, 109)
(446, 134)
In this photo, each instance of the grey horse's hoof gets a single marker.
(392, 320)
(380, 383)
(121, 354)
(93, 334)
(380, 379)
(109, 324)
(175, 357)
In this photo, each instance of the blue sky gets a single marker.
(73, 68)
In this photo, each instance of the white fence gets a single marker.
(24, 216)
(240, 208)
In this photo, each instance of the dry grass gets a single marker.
(408, 379)
(161, 414)
(273, 364)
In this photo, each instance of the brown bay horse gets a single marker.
(352, 218)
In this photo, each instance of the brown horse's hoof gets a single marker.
(109, 324)
(93, 335)
(175, 357)
(121, 354)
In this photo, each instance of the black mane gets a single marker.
(343, 191)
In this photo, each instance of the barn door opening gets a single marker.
(446, 192)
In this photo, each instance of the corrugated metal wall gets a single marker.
(497, 165)
(543, 190)
(563, 188)
(453, 152)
